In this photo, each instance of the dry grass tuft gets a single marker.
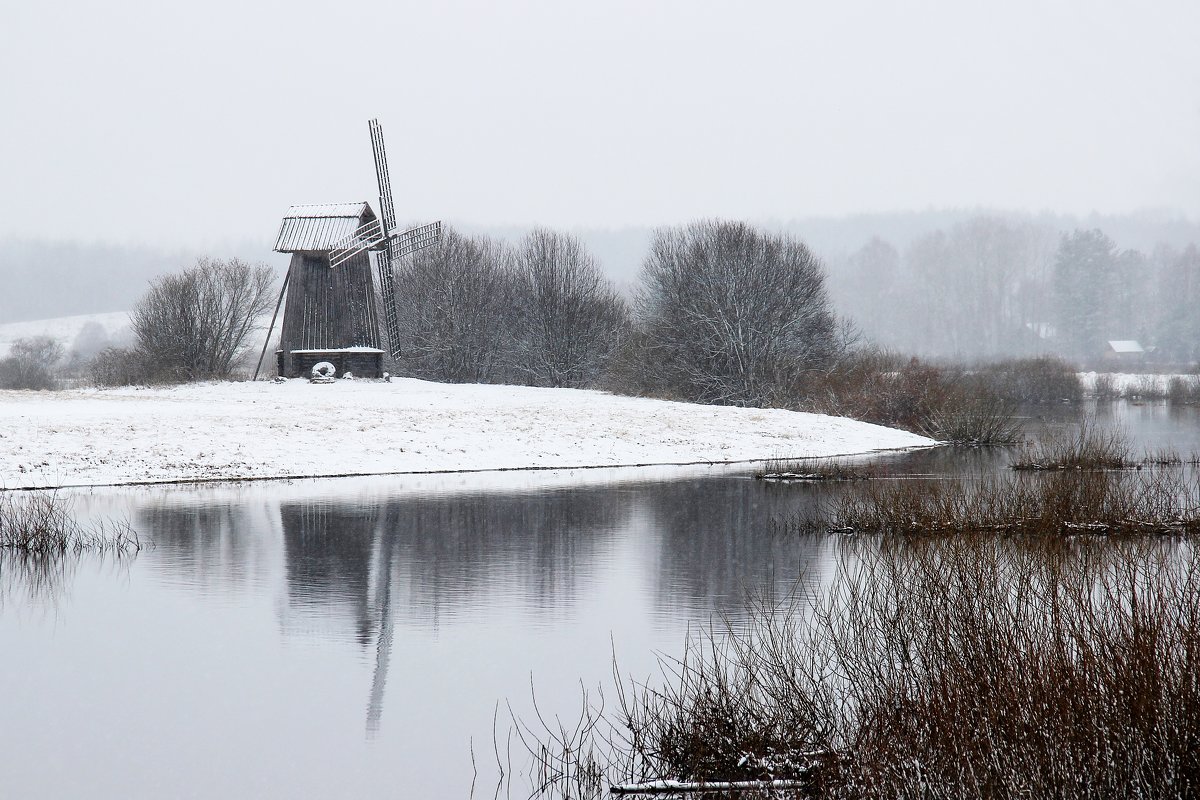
(1088, 447)
(783, 469)
(1053, 504)
(43, 523)
(936, 666)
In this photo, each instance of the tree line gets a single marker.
(993, 287)
(722, 313)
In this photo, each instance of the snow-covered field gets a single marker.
(297, 429)
(64, 329)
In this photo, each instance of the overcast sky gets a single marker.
(173, 123)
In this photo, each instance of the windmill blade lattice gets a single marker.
(395, 245)
(367, 237)
(414, 239)
(387, 209)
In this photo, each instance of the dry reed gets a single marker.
(43, 523)
(783, 469)
(934, 666)
(1089, 446)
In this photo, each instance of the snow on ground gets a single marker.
(1125, 381)
(297, 429)
(64, 329)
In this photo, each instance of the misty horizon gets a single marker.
(175, 137)
(594, 115)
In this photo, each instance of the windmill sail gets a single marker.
(387, 208)
(387, 288)
(397, 245)
(367, 237)
(414, 239)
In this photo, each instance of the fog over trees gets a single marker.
(30, 364)
(61, 278)
(955, 284)
(993, 286)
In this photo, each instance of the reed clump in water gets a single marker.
(936, 666)
(1052, 504)
(42, 544)
(782, 469)
(43, 523)
(1091, 446)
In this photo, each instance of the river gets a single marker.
(363, 637)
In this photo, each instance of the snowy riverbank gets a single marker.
(296, 429)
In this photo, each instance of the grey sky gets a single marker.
(189, 123)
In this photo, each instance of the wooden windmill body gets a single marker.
(331, 313)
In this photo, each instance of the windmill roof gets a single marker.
(319, 226)
(328, 210)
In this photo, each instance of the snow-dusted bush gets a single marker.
(473, 310)
(570, 318)
(731, 314)
(30, 363)
(196, 324)
(119, 366)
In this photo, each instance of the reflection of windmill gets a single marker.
(381, 588)
(330, 312)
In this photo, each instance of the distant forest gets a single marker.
(46, 279)
(965, 284)
(991, 285)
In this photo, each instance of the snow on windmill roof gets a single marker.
(320, 226)
(1125, 346)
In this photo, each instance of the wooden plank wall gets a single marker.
(328, 308)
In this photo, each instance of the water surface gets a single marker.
(352, 638)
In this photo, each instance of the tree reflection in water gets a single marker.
(357, 566)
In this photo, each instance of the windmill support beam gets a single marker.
(271, 328)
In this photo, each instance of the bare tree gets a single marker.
(730, 314)
(571, 318)
(455, 309)
(30, 363)
(196, 324)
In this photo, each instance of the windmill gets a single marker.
(330, 313)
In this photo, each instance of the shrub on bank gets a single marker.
(1184, 389)
(119, 366)
(1105, 387)
(1033, 381)
(931, 666)
(946, 403)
